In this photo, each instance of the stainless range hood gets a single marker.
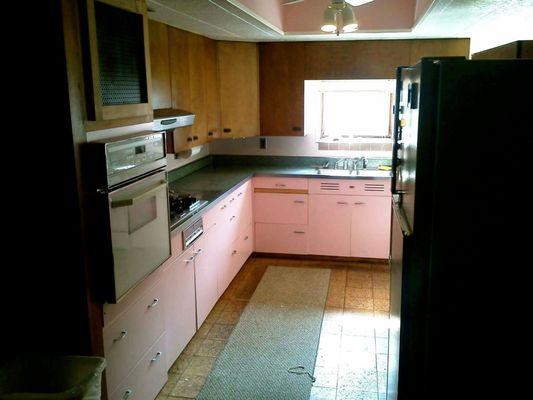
(170, 118)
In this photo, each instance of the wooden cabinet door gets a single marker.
(159, 65)
(197, 84)
(206, 259)
(239, 88)
(212, 90)
(281, 69)
(329, 225)
(180, 312)
(438, 48)
(371, 221)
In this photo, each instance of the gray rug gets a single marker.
(278, 330)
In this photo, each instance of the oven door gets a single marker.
(140, 232)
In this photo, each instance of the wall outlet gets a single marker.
(263, 143)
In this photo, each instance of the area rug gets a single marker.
(272, 351)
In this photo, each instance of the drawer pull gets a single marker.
(234, 252)
(299, 232)
(280, 185)
(198, 252)
(246, 238)
(223, 207)
(232, 218)
(299, 201)
(240, 194)
(359, 203)
(342, 202)
(232, 200)
(154, 303)
(189, 260)
(127, 394)
(157, 356)
(123, 334)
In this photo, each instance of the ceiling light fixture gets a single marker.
(338, 9)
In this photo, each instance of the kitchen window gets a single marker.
(344, 111)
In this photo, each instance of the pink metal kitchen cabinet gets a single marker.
(276, 208)
(180, 315)
(371, 216)
(206, 260)
(330, 218)
(281, 238)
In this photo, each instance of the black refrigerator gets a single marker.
(461, 227)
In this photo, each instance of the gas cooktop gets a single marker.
(183, 206)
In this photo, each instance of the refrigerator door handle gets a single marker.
(402, 219)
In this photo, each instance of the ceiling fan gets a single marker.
(354, 3)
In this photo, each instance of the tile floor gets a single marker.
(352, 354)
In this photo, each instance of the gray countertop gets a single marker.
(213, 183)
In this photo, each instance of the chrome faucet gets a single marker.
(339, 162)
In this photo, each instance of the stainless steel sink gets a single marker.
(334, 172)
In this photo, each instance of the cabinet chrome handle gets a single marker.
(127, 394)
(157, 356)
(154, 303)
(359, 203)
(123, 334)
(299, 201)
(232, 200)
(223, 207)
(280, 185)
(246, 238)
(189, 260)
(234, 252)
(232, 218)
(299, 232)
(198, 252)
(342, 202)
(240, 194)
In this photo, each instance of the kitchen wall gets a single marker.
(300, 146)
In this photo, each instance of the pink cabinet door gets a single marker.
(329, 225)
(206, 261)
(371, 220)
(278, 208)
(281, 238)
(180, 312)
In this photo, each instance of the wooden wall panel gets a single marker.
(159, 65)
(438, 48)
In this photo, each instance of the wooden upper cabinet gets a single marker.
(281, 68)
(160, 65)
(197, 88)
(212, 89)
(238, 66)
(518, 49)
(438, 48)
(117, 48)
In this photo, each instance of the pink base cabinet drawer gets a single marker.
(147, 378)
(275, 208)
(280, 183)
(358, 187)
(281, 238)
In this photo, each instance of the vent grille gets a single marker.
(374, 187)
(120, 55)
(329, 186)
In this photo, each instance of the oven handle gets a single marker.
(133, 200)
(401, 218)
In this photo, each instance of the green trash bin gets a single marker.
(47, 378)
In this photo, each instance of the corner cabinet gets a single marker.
(116, 49)
(238, 68)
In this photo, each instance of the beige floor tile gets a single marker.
(236, 305)
(199, 366)
(213, 316)
(323, 393)
(351, 360)
(359, 292)
(332, 320)
(338, 275)
(358, 303)
(382, 345)
(364, 380)
(358, 344)
(193, 346)
(335, 298)
(381, 293)
(181, 364)
(326, 376)
(169, 386)
(188, 386)
(203, 331)
(382, 362)
(221, 331)
(351, 393)
(211, 348)
(381, 305)
(228, 317)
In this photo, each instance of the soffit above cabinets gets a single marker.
(494, 21)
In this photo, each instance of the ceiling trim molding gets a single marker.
(247, 10)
